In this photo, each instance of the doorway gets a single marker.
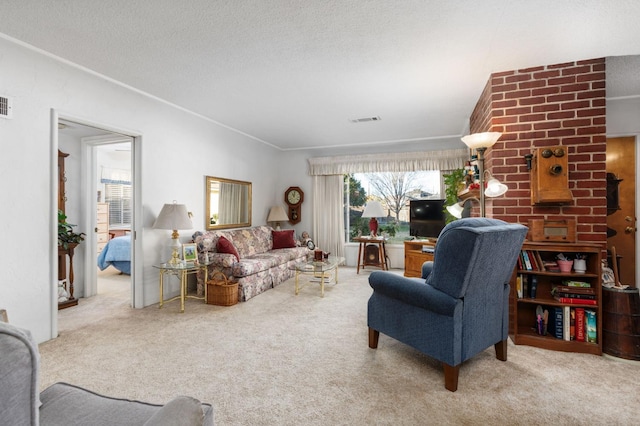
(621, 205)
(102, 169)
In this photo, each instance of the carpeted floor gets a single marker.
(281, 359)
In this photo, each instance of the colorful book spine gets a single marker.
(592, 330)
(527, 262)
(572, 324)
(566, 323)
(580, 325)
(574, 301)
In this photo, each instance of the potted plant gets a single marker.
(66, 236)
(453, 183)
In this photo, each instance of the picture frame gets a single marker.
(190, 252)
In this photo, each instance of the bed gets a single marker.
(116, 253)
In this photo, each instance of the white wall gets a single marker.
(178, 151)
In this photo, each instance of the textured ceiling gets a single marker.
(293, 73)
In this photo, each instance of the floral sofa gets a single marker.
(257, 258)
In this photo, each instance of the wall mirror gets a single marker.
(228, 203)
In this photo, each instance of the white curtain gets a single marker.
(393, 162)
(328, 185)
(328, 213)
(231, 204)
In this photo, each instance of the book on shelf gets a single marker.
(574, 301)
(574, 290)
(532, 259)
(539, 261)
(580, 325)
(566, 323)
(575, 295)
(526, 261)
(592, 330)
(555, 321)
(573, 283)
(533, 286)
(519, 286)
(572, 324)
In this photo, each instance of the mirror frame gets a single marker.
(208, 225)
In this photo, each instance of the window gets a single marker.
(119, 198)
(394, 190)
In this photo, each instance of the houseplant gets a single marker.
(452, 181)
(66, 236)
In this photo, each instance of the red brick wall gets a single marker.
(554, 105)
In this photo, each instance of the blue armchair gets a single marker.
(463, 306)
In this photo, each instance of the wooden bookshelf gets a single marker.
(522, 310)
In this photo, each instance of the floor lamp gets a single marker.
(480, 142)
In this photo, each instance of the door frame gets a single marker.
(88, 172)
(137, 293)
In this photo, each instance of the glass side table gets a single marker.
(320, 270)
(181, 270)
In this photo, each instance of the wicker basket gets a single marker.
(221, 292)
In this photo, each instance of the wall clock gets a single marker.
(294, 197)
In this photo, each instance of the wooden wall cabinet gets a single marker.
(550, 177)
(415, 256)
(522, 310)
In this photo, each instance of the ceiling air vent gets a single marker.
(364, 119)
(6, 107)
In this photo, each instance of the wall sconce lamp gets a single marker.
(174, 217)
(480, 142)
(373, 209)
(494, 189)
(277, 215)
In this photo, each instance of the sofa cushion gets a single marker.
(226, 246)
(90, 408)
(283, 239)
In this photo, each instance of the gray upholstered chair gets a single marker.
(460, 306)
(21, 403)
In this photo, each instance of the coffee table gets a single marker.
(321, 271)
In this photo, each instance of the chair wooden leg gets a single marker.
(501, 350)
(373, 338)
(451, 376)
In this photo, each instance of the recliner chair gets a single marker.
(460, 307)
(21, 403)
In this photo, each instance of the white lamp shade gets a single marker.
(495, 188)
(373, 209)
(277, 214)
(173, 216)
(481, 140)
(456, 210)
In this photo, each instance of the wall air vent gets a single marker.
(364, 119)
(6, 107)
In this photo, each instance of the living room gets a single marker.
(176, 149)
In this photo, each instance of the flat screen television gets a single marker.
(426, 218)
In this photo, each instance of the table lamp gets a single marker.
(174, 217)
(277, 215)
(373, 209)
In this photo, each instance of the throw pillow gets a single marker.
(226, 246)
(283, 239)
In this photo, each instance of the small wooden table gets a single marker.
(372, 252)
(181, 270)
